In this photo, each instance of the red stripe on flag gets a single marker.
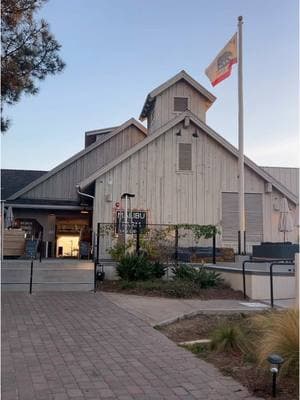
(226, 74)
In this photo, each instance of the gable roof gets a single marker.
(13, 180)
(218, 138)
(170, 82)
(131, 121)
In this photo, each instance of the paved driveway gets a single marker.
(75, 345)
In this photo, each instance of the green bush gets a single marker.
(159, 287)
(158, 269)
(199, 276)
(133, 267)
(117, 251)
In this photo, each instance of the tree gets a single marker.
(29, 51)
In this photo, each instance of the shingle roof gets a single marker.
(13, 180)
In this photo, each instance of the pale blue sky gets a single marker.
(117, 51)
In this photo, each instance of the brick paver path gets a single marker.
(68, 346)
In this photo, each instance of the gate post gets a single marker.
(138, 238)
(176, 245)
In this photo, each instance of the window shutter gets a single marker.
(180, 103)
(185, 157)
(230, 216)
(254, 217)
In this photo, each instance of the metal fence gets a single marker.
(167, 243)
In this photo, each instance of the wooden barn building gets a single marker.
(179, 169)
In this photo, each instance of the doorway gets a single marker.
(67, 246)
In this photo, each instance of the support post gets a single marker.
(245, 252)
(271, 285)
(274, 376)
(138, 238)
(95, 276)
(98, 242)
(176, 245)
(31, 276)
(239, 243)
(244, 279)
(214, 249)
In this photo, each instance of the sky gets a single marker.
(117, 51)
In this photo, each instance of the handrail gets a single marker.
(282, 261)
(271, 278)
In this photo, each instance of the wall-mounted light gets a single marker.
(178, 133)
(84, 211)
(195, 134)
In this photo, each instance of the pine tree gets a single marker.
(29, 51)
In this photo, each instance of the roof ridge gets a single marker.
(222, 141)
(59, 167)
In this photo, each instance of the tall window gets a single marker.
(185, 157)
(180, 104)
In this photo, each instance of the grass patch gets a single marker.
(242, 342)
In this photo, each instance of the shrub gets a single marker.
(158, 269)
(174, 289)
(226, 337)
(278, 332)
(199, 276)
(133, 267)
(118, 251)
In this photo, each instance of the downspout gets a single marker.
(84, 194)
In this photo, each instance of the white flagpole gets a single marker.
(241, 179)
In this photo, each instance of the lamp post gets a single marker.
(275, 361)
(126, 196)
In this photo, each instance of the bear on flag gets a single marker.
(221, 66)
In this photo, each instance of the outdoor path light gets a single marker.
(275, 361)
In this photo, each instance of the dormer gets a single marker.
(176, 95)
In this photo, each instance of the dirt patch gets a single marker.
(257, 380)
(235, 364)
(198, 327)
(165, 289)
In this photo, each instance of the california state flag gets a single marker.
(220, 68)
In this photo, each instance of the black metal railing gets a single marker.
(30, 282)
(271, 278)
(271, 262)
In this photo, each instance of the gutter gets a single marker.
(44, 206)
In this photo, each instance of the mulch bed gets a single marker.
(198, 327)
(219, 293)
(258, 380)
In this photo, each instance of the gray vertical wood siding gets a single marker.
(61, 186)
(173, 196)
(163, 110)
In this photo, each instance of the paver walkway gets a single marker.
(72, 345)
(158, 310)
